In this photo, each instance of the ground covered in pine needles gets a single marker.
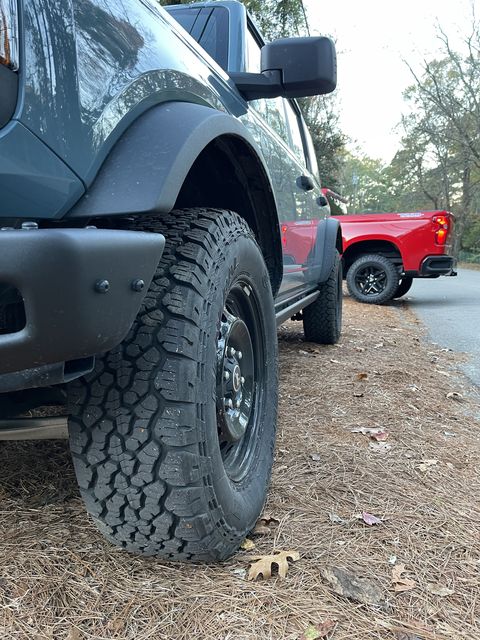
(380, 428)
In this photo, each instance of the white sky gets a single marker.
(373, 37)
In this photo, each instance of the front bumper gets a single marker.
(81, 291)
(438, 266)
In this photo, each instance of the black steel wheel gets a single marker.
(404, 286)
(172, 435)
(372, 279)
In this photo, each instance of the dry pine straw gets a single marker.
(60, 579)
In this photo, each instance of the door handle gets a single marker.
(306, 183)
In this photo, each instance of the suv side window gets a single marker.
(294, 126)
(209, 27)
(273, 109)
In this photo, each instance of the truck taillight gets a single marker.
(441, 228)
(9, 45)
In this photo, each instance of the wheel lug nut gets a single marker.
(226, 376)
(242, 380)
(232, 351)
(239, 355)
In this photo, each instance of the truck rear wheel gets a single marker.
(403, 286)
(322, 320)
(372, 279)
(172, 435)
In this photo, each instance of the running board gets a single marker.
(34, 428)
(294, 308)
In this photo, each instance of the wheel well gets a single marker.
(380, 247)
(228, 175)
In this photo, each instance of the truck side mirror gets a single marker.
(292, 68)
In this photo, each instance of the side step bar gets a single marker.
(288, 312)
(34, 428)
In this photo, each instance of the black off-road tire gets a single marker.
(322, 320)
(377, 264)
(404, 286)
(144, 427)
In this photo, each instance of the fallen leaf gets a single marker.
(316, 457)
(392, 560)
(247, 545)
(352, 585)
(454, 395)
(263, 525)
(336, 519)
(380, 447)
(378, 346)
(358, 394)
(263, 565)
(381, 436)
(426, 464)
(360, 349)
(370, 519)
(401, 584)
(362, 376)
(316, 632)
(439, 590)
(241, 573)
(449, 434)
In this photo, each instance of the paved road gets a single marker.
(450, 308)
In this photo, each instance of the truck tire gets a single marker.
(372, 279)
(322, 320)
(403, 286)
(172, 435)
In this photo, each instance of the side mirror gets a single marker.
(292, 68)
(322, 201)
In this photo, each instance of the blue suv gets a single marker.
(148, 162)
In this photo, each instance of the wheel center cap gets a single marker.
(236, 378)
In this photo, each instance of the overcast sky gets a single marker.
(373, 37)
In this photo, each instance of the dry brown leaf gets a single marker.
(439, 590)
(401, 584)
(319, 631)
(454, 395)
(426, 464)
(362, 376)
(247, 545)
(263, 565)
(370, 519)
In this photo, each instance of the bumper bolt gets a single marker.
(138, 285)
(102, 286)
(29, 226)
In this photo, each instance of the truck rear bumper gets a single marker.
(438, 266)
(433, 267)
(76, 293)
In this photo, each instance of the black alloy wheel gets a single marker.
(372, 279)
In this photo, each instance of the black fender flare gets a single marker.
(327, 243)
(133, 181)
(147, 167)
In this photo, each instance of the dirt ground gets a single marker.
(60, 579)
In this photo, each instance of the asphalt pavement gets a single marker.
(450, 308)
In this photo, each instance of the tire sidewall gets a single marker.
(241, 502)
(375, 261)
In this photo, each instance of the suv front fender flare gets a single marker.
(147, 167)
(327, 243)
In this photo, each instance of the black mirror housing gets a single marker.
(308, 66)
(292, 68)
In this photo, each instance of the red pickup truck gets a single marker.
(382, 253)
